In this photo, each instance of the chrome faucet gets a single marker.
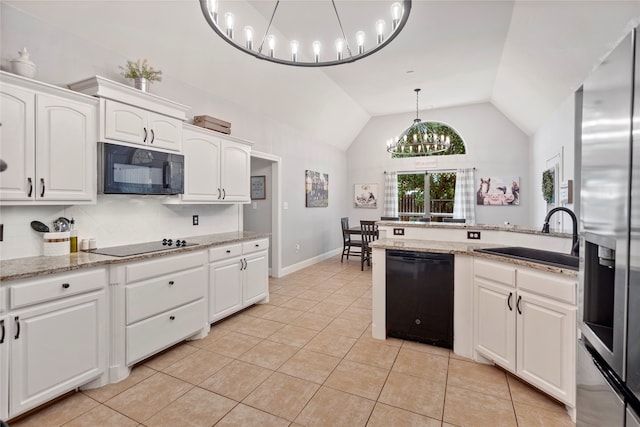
(575, 243)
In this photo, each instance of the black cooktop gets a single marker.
(143, 248)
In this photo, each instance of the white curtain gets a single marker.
(390, 194)
(464, 202)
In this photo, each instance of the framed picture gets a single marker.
(498, 191)
(316, 189)
(258, 188)
(365, 196)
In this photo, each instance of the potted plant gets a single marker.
(141, 73)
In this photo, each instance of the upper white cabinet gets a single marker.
(130, 115)
(126, 123)
(48, 140)
(525, 321)
(217, 168)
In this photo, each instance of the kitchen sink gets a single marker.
(535, 255)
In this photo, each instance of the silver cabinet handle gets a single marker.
(43, 187)
(30, 186)
(145, 135)
(17, 320)
(153, 136)
(3, 331)
(509, 301)
(224, 194)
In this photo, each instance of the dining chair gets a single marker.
(347, 242)
(369, 233)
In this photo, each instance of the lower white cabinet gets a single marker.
(525, 321)
(164, 303)
(4, 367)
(238, 277)
(52, 345)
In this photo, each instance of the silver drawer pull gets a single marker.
(65, 286)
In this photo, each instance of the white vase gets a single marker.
(141, 83)
(22, 65)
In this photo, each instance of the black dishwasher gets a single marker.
(419, 289)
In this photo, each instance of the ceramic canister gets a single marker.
(55, 244)
(22, 65)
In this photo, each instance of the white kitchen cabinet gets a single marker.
(164, 303)
(238, 277)
(4, 367)
(56, 340)
(139, 126)
(48, 140)
(526, 323)
(217, 167)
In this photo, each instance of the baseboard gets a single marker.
(309, 262)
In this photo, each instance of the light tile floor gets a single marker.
(307, 359)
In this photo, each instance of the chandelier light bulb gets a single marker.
(294, 50)
(316, 50)
(271, 42)
(339, 48)
(396, 13)
(380, 30)
(229, 20)
(360, 42)
(212, 7)
(248, 34)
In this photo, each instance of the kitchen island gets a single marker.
(516, 313)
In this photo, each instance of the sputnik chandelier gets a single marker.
(419, 139)
(348, 47)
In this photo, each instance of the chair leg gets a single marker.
(344, 248)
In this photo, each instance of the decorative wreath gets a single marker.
(547, 185)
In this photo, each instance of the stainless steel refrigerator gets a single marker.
(608, 355)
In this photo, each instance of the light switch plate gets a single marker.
(473, 235)
(398, 231)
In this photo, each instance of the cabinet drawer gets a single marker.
(56, 286)
(548, 285)
(156, 333)
(495, 272)
(224, 252)
(255, 245)
(150, 297)
(163, 266)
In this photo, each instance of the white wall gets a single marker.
(495, 147)
(63, 58)
(555, 136)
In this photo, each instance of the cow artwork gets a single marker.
(498, 191)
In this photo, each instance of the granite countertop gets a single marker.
(453, 225)
(22, 268)
(460, 248)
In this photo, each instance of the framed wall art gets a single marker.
(258, 191)
(365, 196)
(498, 191)
(316, 187)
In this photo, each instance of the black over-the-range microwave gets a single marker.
(132, 170)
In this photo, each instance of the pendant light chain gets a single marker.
(266, 33)
(346, 42)
(417, 104)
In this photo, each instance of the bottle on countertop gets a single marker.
(73, 236)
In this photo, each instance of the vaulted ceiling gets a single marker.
(525, 57)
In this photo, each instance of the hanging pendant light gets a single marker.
(419, 139)
(343, 54)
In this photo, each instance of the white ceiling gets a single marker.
(525, 57)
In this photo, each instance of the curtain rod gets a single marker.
(435, 170)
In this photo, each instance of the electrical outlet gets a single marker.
(473, 235)
(297, 247)
(398, 231)
(196, 220)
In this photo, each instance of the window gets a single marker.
(426, 194)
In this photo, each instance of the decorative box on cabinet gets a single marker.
(164, 303)
(58, 332)
(525, 321)
(238, 277)
(130, 115)
(217, 168)
(48, 140)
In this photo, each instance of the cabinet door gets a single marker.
(66, 136)
(256, 278)
(235, 167)
(4, 368)
(546, 343)
(164, 131)
(17, 143)
(55, 348)
(201, 167)
(495, 329)
(126, 123)
(225, 288)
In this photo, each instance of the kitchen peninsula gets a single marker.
(515, 313)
